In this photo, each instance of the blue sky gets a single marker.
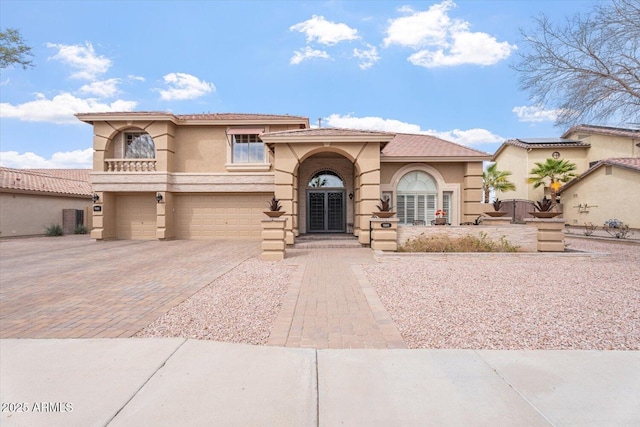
(440, 68)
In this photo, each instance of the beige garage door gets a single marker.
(211, 216)
(136, 217)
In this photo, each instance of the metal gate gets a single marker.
(326, 211)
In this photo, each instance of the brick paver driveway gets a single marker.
(75, 287)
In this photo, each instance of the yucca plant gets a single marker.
(54, 230)
(497, 204)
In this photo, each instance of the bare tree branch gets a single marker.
(588, 68)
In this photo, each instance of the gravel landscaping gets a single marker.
(458, 301)
(239, 307)
(515, 302)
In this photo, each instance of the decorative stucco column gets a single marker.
(550, 233)
(273, 239)
(472, 192)
(384, 234)
(164, 216)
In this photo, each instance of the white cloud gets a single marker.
(61, 108)
(133, 77)
(102, 89)
(184, 86)
(307, 53)
(535, 114)
(325, 32)
(467, 137)
(367, 57)
(82, 58)
(441, 41)
(77, 159)
(370, 123)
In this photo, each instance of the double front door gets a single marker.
(326, 211)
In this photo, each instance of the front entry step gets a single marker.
(326, 240)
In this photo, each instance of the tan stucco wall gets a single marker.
(519, 162)
(608, 197)
(24, 214)
(605, 146)
(201, 149)
(451, 172)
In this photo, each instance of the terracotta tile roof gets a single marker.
(203, 116)
(632, 163)
(415, 145)
(328, 132)
(236, 116)
(539, 143)
(59, 181)
(604, 130)
(624, 162)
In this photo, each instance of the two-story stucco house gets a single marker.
(158, 175)
(608, 164)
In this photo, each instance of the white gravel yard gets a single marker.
(238, 307)
(509, 301)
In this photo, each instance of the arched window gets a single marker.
(416, 198)
(326, 179)
(139, 145)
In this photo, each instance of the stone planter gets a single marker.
(495, 213)
(383, 214)
(440, 221)
(274, 214)
(544, 214)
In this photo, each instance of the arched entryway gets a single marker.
(326, 203)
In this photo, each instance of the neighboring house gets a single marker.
(33, 199)
(586, 146)
(610, 189)
(211, 175)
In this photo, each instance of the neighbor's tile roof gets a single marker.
(59, 181)
(415, 145)
(604, 130)
(550, 143)
(632, 163)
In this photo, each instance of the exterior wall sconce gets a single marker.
(95, 198)
(350, 196)
(158, 197)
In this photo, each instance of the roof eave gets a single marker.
(91, 118)
(433, 159)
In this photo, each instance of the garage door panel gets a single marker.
(136, 217)
(220, 216)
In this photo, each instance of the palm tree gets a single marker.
(555, 171)
(493, 179)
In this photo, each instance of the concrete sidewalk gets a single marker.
(168, 382)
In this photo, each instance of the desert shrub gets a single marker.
(80, 229)
(54, 230)
(468, 243)
(617, 228)
(589, 228)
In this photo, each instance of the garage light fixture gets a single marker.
(158, 197)
(95, 198)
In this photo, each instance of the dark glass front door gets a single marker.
(326, 211)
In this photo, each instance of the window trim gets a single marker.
(231, 166)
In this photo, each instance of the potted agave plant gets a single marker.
(542, 209)
(384, 209)
(274, 208)
(497, 204)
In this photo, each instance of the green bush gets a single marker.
(54, 230)
(468, 243)
(80, 229)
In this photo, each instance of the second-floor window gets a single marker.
(138, 145)
(247, 149)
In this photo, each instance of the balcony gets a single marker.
(130, 165)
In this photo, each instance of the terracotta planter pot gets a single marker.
(384, 214)
(495, 213)
(440, 221)
(274, 214)
(545, 214)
